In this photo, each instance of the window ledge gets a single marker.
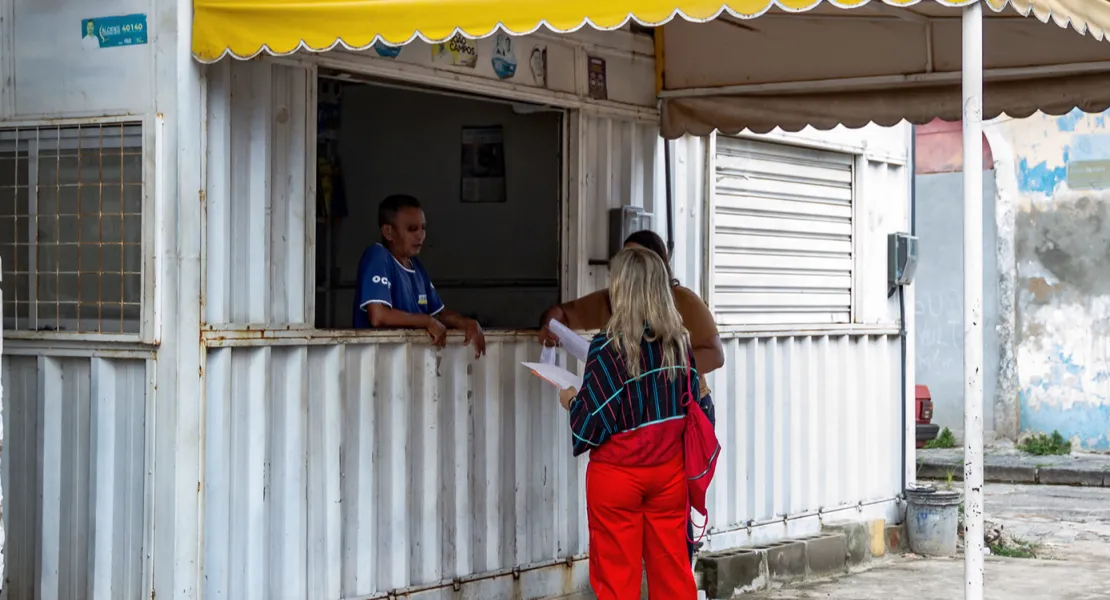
(229, 336)
(802, 330)
(55, 343)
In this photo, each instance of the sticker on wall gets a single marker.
(483, 164)
(385, 50)
(596, 70)
(538, 63)
(113, 32)
(504, 59)
(457, 52)
(1088, 162)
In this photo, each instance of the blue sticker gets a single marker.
(112, 32)
(504, 59)
(386, 51)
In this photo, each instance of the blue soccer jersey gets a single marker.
(382, 279)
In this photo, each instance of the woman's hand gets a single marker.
(546, 337)
(566, 396)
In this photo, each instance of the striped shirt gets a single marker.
(611, 402)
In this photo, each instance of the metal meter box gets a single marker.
(901, 259)
(623, 222)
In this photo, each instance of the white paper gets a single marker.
(548, 355)
(555, 375)
(575, 345)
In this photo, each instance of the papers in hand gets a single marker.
(555, 375)
(575, 345)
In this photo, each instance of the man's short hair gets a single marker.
(388, 209)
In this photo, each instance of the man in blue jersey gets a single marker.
(394, 291)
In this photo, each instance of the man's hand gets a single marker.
(437, 331)
(545, 336)
(566, 396)
(475, 334)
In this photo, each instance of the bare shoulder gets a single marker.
(685, 296)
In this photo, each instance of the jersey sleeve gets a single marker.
(435, 305)
(374, 284)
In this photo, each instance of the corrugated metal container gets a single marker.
(309, 464)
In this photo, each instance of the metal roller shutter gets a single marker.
(782, 234)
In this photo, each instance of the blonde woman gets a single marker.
(593, 311)
(630, 417)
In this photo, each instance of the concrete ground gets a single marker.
(1072, 525)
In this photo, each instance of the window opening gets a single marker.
(71, 228)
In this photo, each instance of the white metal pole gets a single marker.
(973, 299)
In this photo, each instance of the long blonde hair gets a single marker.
(643, 307)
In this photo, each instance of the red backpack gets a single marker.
(702, 451)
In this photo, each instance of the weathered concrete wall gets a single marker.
(939, 303)
(1062, 248)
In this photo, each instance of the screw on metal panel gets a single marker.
(516, 572)
(457, 583)
(570, 562)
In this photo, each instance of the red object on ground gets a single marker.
(923, 404)
(638, 513)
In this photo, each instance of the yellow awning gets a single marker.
(244, 28)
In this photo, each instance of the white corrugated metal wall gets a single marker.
(75, 460)
(810, 429)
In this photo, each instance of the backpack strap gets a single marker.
(703, 528)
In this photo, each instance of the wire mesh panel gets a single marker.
(71, 227)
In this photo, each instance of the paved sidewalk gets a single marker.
(1071, 525)
(1004, 464)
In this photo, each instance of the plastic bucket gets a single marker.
(932, 521)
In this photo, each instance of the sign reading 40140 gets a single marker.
(112, 32)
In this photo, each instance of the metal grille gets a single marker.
(71, 227)
(782, 234)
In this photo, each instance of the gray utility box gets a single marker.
(901, 259)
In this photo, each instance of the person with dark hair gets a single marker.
(394, 290)
(593, 312)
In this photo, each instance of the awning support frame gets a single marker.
(879, 81)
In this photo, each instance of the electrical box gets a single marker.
(901, 259)
(623, 222)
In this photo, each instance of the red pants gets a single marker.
(638, 520)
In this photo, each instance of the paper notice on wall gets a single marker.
(459, 51)
(483, 164)
(555, 375)
(575, 345)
